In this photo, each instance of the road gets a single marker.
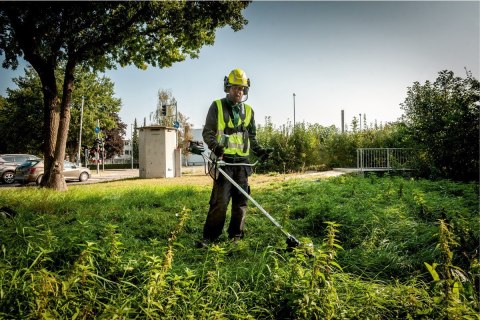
(102, 176)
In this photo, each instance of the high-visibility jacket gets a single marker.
(238, 142)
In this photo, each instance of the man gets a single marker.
(230, 119)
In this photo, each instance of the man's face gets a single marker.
(235, 94)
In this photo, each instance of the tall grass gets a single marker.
(376, 248)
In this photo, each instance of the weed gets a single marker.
(452, 287)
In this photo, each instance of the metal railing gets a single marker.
(384, 159)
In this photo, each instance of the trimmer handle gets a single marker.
(196, 147)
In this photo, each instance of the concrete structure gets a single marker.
(158, 155)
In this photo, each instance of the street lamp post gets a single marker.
(294, 111)
(176, 125)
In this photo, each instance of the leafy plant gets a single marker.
(442, 119)
(452, 285)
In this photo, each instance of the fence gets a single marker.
(384, 159)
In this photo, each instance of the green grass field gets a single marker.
(383, 248)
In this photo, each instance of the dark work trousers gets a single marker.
(222, 191)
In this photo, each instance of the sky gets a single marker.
(359, 57)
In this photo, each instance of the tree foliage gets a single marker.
(100, 35)
(172, 114)
(21, 116)
(165, 99)
(22, 119)
(441, 122)
(315, 147)
(442, 119)
(114, 138)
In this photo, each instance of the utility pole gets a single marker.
(176, 125)
(360, 118)
(79, 162)
(176, 112)
(294, 112)
(342, 122)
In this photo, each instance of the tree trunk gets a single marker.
(56, 180)
(51, 115)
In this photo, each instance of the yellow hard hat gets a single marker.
(237, 77)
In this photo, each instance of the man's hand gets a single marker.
(219, 150)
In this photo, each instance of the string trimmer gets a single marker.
(215, 164)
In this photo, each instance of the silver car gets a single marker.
(8, 163)
(32, 171)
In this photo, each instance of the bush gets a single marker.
(442, 119)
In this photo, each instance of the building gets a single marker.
(126, 157)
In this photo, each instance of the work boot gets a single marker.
(202, 243)
(235, 239)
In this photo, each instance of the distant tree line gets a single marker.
(441, 122)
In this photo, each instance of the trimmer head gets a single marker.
(292, 242)
(305, 248)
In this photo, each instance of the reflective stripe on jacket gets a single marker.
(238, 142)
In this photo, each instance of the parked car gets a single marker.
(32, 171)
(8, 163)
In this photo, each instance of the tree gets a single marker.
(22, 119)
(99, 35)
(114, 138)
(167, 102)
(184, 134)
(100, 104)
(355, 124)
(442, 119)
(21, 116)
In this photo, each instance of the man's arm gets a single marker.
(209, 132)
(252, 135)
